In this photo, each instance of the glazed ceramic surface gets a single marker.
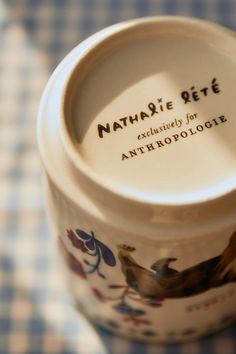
(136, 136)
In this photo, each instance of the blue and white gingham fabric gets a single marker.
(36, 313)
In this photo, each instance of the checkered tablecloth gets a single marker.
(36, 313)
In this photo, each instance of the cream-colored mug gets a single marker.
(136, 133)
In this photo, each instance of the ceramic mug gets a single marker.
(136, 137)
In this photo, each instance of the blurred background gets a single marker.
(36, 313)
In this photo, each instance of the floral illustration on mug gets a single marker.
(123, 304)
(149, 286)
(90, 245)
(72, 262)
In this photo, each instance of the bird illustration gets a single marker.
(163, 281)
(226, 268)
(137, 277)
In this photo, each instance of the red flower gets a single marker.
(73, 263)
(76, 242)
